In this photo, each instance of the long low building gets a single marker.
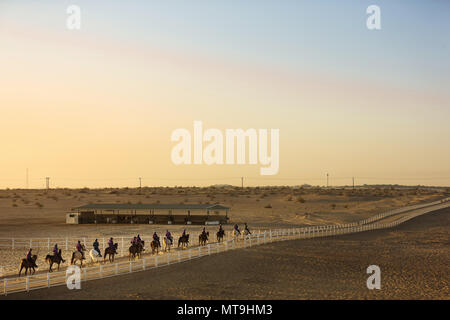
(149, 214)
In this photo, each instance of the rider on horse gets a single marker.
(111, 243)
(204, 232)
(184, 233)
(134, 241)
(246, 228)
(95, 245)
(138, 239)
(29, 258)
(55, 250)
(169, 236)
(80, 248)
(236, 228)
(156, 238)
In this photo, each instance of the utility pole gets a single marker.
(140, 183)
(47, 182)
(242, 182)
(353, 182)
(327, 179)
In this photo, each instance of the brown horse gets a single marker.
(110, 251)
(203, 238)
(220, 235)
(155, 246)
(28, 264)
(51, 259)
(136, 250)
(183, 240)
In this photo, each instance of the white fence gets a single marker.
(47, 280)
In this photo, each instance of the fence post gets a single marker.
(48, 280)
(156, 261)
(143, 264)
(168, 258)
(67, 244)
(103, 244)
(131, 268)
(209, 249)
(179, 256)
(5, 284)
(31, 243)
(121, 248)
(101, 272)
(28, 284)
(117, 268)
(190, 254)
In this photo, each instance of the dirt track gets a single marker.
(413, 259)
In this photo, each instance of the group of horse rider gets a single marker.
(135, 241)
(236, 228)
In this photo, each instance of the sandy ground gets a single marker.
(413, 258)
(41, 214)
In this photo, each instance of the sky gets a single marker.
(96, 107)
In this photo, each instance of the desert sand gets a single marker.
(413, 258)
(41, 213)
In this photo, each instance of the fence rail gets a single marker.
(46, 280)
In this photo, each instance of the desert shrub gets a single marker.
(268, 206)
(39, 205)
(333, 206)
(300, 199)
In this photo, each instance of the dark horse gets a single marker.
(155, 246)
(202, 238)
(136, 250)
(28, 264)
(183, 240)
(220, 235)
(57, 258)
(110, 251)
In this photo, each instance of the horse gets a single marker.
(236, 234)
(27, 264)
(202, 238)
(155, 246)
(184, 240)
(110, 251)
(51, 259)
(77, 255)
(167, 244)
(136, 250)
(95, 255)
(220, 235)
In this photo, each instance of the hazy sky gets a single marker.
(97, 106)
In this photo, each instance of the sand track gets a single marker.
(280, 261)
